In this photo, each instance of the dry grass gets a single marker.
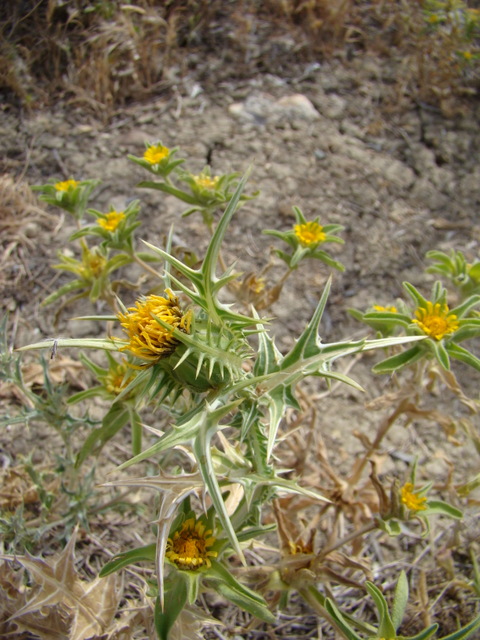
(105, 54)
(21, 220)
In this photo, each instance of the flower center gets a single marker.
(115, 380)
(412, 500)
(66, 185)
(188, 548)
(111, 220)
(309, 234)
(206, 182)
(435, 320)
(156, 154)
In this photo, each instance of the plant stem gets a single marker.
(381, 433)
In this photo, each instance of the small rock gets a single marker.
(261, 108)
(299, 105)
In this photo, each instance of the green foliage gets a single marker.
(454, 266)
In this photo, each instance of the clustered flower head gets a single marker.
(156, 153)
(189, 546)
(411, 499)
(310, 233)
(435, 320)
(66, 185)
(93, 264)
(148, 339)
(205, 181)
(111, 220)
(117, 378)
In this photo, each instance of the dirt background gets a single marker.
(326, 137)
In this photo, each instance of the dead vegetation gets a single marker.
(103, 55)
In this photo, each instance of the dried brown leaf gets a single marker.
(89, 607)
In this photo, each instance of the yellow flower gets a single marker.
(148, 339)
(156, 153)
(116, 379)
(257, 285)
(111, 220)
(309, 234)
(66, 185)
(188, 548)
(206, 182)
(412, 500)
(435, 320)
(390, 309)
(467, 55)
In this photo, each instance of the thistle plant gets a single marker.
(226, 387)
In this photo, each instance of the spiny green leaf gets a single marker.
(85, 343)
(202, 451)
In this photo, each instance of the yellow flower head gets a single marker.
(435, 320)
(309, 234)
(206, 182)
(156, 153)
(256, 284)
(116, 379)
(111, 220)
(148, 339)
(389, 309)
(412, 500)
(189, 546)
(66, 185)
